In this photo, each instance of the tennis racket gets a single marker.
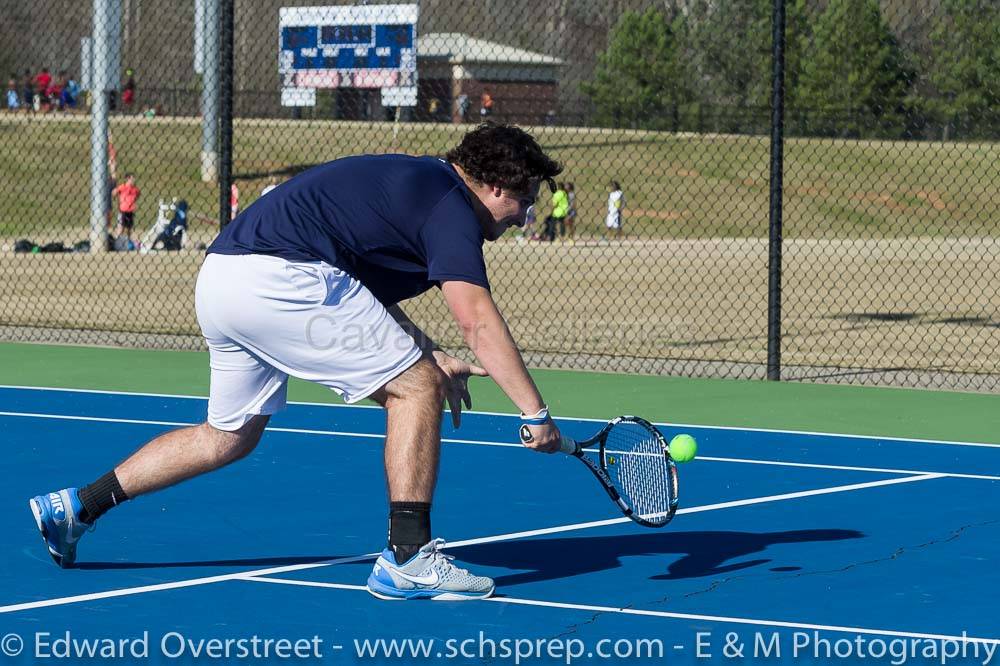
(633, 464)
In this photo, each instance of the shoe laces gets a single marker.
(443, 559)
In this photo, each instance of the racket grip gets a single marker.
(568, 446)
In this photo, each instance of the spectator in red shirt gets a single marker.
(54, 91)
(128, 91)
(127, 194)
(42, 82)
(486, 104)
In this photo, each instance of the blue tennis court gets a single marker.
(794, 546)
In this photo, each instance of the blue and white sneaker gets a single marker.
(56, 517)
(427, 575)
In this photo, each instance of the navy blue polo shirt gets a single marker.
(399, 224)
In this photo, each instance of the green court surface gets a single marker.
(887, 412)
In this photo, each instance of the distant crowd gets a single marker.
(44, 93)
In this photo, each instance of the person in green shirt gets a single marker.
(560, 209)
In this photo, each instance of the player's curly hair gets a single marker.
(504, 156)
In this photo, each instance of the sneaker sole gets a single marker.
(36, 511)
(432, 595)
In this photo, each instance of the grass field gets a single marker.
(876, 304)
(676, 186)
(889, 261)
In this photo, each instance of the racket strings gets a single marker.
(642, 473)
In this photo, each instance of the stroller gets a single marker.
(168, 233)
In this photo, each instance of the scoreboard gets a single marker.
(370, 46)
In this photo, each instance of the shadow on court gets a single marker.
(702, 553)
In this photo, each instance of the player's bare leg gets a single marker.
(413, 403)
(413, 566)
(64, 516)
(185, 453)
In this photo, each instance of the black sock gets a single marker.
(101, 496)
(409, 528)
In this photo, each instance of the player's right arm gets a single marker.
(487, 335)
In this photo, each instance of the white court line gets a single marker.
(699, 509)
(305, 583)
(299, 431)
(779, 431)
(174, 585)
(467, 542)
(665, 614)
(103, 392)
(476, 442)
(108, 419)
(847, 468)
(98, 419)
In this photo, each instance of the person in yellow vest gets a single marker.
(560, 209)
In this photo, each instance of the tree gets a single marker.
(730, 44)
(640, 80)
(964, 65)
(855, 77)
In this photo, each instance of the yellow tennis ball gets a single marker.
(683, 448)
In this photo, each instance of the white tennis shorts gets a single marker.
(265, 318)
(613, 221)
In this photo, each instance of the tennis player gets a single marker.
(306, 282)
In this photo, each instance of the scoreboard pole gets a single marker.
(101, 40)
(395, 130)
(207, 13)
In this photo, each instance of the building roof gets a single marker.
(456, 46)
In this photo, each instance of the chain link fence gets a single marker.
(891, 171)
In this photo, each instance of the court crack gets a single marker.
(955, 534)
(573, 628)
(952, 536)
(899, 552)
(570, 630)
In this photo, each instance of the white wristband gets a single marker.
(541, 417)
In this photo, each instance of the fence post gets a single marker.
(777, 166)
(225, 108)
(207, 15)
(102, 37)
